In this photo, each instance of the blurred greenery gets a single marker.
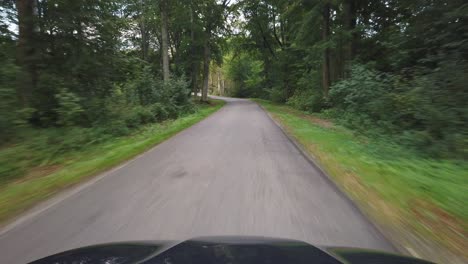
(80, 76)
(81, 86)
(393, 69)
(49, 160)
(408, 182)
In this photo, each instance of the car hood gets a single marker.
(220, 250)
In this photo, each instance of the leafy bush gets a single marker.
(116, 128)
(159, 112)
(245, 73)
(366, 91)
(306, 100)
(8, 118)
(435, 104)
(176, 91)
(69, 109)
(145, 115)
(8, 103)
(138, 115)
(277, 95)
(425, 111)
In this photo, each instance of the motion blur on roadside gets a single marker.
(375, 91)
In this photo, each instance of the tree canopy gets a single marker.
(394, 67)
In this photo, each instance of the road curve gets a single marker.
(234, 173)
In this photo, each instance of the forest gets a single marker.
(394, 68)
(90, 84)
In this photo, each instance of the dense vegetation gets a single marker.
(79, 76)
(33, 170)
(395, 68)
(417, 200)
(76, 73)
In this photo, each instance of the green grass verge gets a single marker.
(23, 192)
(393, 185)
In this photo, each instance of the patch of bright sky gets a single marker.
(7, 21)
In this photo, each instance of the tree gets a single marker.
(326, 51)
(213, 22)
(26, 52)
(194, 67)
(164, 41)
(349, 18)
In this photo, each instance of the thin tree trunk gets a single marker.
(219, 81)
(326, 53)
(195, 69)
(26, 52)
(143, 31)
(195, 64)
(223, 86)
(164, 40)
(206, 68)
(350, 25)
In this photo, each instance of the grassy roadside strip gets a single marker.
(19, 195)
(419, 203)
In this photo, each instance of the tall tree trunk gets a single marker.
(164, 40)
(223, 86)
(350, 25)
(144, 32)
(26, 51)
(218, 71)
(326, 52)
(206, 68)
(195, 69)
(194, 62)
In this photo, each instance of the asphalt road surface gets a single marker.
(234, 173)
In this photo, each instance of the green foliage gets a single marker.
(36, 147)
(390, 174)
(245, 73)
(69, 108)
(90, 64)
(8, 97)
(306, 100)
(8, 116)
(277, 94)
(176, 91)
(384, 80)
(70, 155)
(147, 100)
(159, 111)
(363, 97)
(425, 112)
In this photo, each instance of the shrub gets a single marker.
(425, 110)
(159, 112)
(140, 115)
(366, 91)
(69, 108)
(366, 98)
(116, 128)
(172, 110)
(188, 108)
(145, 114)
(9, 116)
(176, 91)
(8, 104)
(306, 100)
(277, 95)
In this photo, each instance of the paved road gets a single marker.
(235, 173)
